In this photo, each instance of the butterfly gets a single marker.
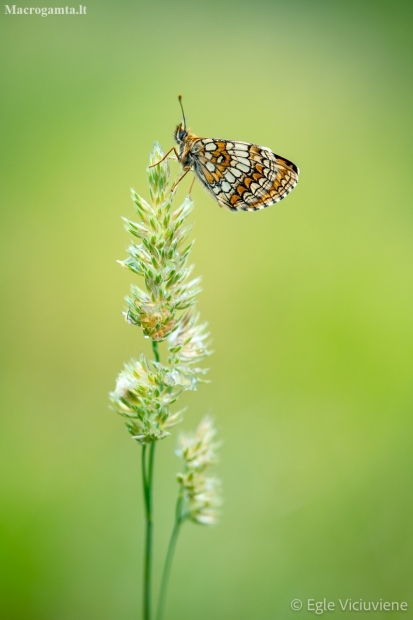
(238, 175)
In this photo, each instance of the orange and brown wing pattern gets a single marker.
(242, 176)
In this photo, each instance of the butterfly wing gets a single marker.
(242, 176)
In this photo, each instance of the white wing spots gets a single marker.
(238, 154)
(229, 177)
(207, 140)
(210, 146)
(262, 181)
(243, 167)
(235, 172)
(208, 155)
(254, 187)
(219, 160)
(241, 146)
(216, 189)
(243, 160)
(229, 146)
(225, 186)
(210, 166)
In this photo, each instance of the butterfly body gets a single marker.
(238, 175)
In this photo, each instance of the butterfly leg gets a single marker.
(191, 186)
(180, 179)
(165, 156)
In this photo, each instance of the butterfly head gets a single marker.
(180, 133)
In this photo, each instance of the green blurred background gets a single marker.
(309, 302)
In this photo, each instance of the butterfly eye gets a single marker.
(182, 134)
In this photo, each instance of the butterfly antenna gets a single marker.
(182, 108)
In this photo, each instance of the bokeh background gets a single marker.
(310, 304)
